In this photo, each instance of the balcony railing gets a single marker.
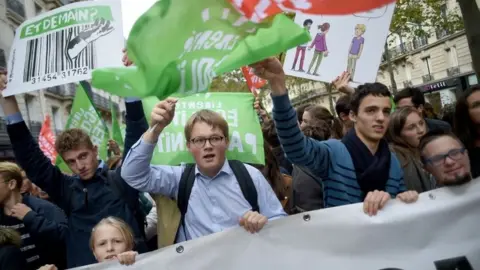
(16, 7)
(67, 92)
(441, 33)
(407, 84)
(3, 60)
(427, 78)
(404, 48)
(453, 71)
(420, 42)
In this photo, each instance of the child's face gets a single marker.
(108, 243)
(358, 31)
(308, 26)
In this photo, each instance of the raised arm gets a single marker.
(136, 168)
(37, 166)
(49, 223)
(299, 149)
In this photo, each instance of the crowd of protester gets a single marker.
(114, 209)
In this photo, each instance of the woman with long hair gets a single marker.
(405, 130)
(467, 125)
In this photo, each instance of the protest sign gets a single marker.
(246, 139)
(174, 54)
(46, 140)
(258, 10)
(253, 81)
(64, 45)
(84, 116)
(438, 232)
(352, 43)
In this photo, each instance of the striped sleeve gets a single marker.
(299, 149)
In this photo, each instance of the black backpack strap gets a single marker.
(184, 190)
(246, 183)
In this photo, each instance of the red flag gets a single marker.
(257, 10)
(253, 81)
(46, 140)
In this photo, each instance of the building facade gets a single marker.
(440, 65)
(55, 101)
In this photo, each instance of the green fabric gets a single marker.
(393, 104)
(175, 39)
(116, 132)
(83, 115)
(246, 138)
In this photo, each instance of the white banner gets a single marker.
(65, 45)
(440, 231)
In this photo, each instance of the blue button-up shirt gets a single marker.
(215, 203)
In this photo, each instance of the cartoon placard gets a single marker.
(352, 43)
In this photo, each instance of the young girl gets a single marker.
(111, 239)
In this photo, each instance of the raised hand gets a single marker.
(341, 84)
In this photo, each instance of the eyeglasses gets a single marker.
(454, 154)
(200, 142)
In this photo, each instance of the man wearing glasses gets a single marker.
(216, 201)
(445, 157)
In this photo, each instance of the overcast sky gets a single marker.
(131, 10)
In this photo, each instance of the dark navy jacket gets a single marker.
(43, 233)
(90, 200)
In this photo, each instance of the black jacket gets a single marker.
(90, 200)
(434, 124)
(43, 233)
(11, 258)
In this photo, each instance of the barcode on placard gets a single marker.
(48, 56)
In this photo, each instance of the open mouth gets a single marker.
(378, 128)
(110, 257)
(209, 157)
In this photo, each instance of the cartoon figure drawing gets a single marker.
(320, 43)
(302, 48)
(96, 30)
(356, 49)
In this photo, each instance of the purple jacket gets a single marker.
(320, 43)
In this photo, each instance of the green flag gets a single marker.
(179, 46)
(83, 115)
(115, 132)
(246, 139)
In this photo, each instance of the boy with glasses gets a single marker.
(446, 158)
(215, 201)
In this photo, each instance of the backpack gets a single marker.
(188, 179)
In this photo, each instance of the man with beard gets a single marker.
(446, 158)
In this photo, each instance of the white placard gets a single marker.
(65, 45)
(340, 43)
(431, 234)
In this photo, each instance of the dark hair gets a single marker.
(435, 134)
(320, 131)
(270, 133)
(343, 105)
(318, 112)
(307, 21)
(324, 27)
(410, 92)
(463, 125)
(271, 172)
(374, 89)
(300, 109)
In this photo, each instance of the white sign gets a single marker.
(438, 232)
(351, 43)
(65, 45)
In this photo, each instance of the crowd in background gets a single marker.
(114, 209)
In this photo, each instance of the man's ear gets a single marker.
(420, 109)
(189, 146)
(352, 116)
(12, 184)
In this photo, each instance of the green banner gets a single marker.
(179, 46)
(246, 139)
(83, 115)
(115, 132)
(74, 16)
